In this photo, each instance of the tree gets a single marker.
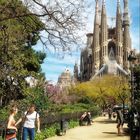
(122, 91)
(62, 19)
(136, 92)
(21, 24)
(85, 91)
(17, 59)
(104, 91)
(57, 94)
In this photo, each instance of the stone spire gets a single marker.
(119, 32)
(95, 46)
(127, 40)
(104, 32)
(97, 12)
(76, 71)
(118, 7)
(126, 13)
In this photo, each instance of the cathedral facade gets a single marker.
(107, 47)
(65, 80)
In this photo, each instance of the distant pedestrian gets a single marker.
(89, 119)
(29, 119)
(11, 129)
(119, 121)
(109, 112)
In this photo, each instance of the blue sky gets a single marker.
(53, 65)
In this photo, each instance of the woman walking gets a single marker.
(29, 119)
(11, 128)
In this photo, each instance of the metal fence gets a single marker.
(56, 118)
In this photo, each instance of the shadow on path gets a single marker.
(106, 121)
(110, 133)
(125, 132)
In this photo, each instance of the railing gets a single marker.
(53, 117)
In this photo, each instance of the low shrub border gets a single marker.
(50, 131)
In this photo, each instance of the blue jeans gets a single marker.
(13, 139)
(28, 132)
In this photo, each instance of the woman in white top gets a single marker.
(29, 119)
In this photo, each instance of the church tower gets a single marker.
(76, 71)
(110, 45)
(126, 36)
(104, 34)
(95, 44)
(119, 37)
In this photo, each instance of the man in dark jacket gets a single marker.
(119, 121)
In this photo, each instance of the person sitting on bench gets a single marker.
(86, 117)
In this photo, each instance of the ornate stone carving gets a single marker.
(119, 59)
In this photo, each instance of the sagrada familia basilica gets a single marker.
(107, 47)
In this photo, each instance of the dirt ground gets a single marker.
(101, 129)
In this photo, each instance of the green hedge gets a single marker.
(50, 131)
(71, 108)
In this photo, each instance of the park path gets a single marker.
(101, 129)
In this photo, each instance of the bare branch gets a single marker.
(62, 20)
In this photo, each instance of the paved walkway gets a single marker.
(101, 129)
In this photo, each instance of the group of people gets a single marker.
(28, 120)
(85, 117)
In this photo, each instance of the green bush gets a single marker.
(47, 132)
(73, 124)
(40, 136)
(51, 130)
(3, 114)
(79, 107)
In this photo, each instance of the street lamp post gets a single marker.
(131, 59)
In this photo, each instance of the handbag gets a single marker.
(10, 131)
